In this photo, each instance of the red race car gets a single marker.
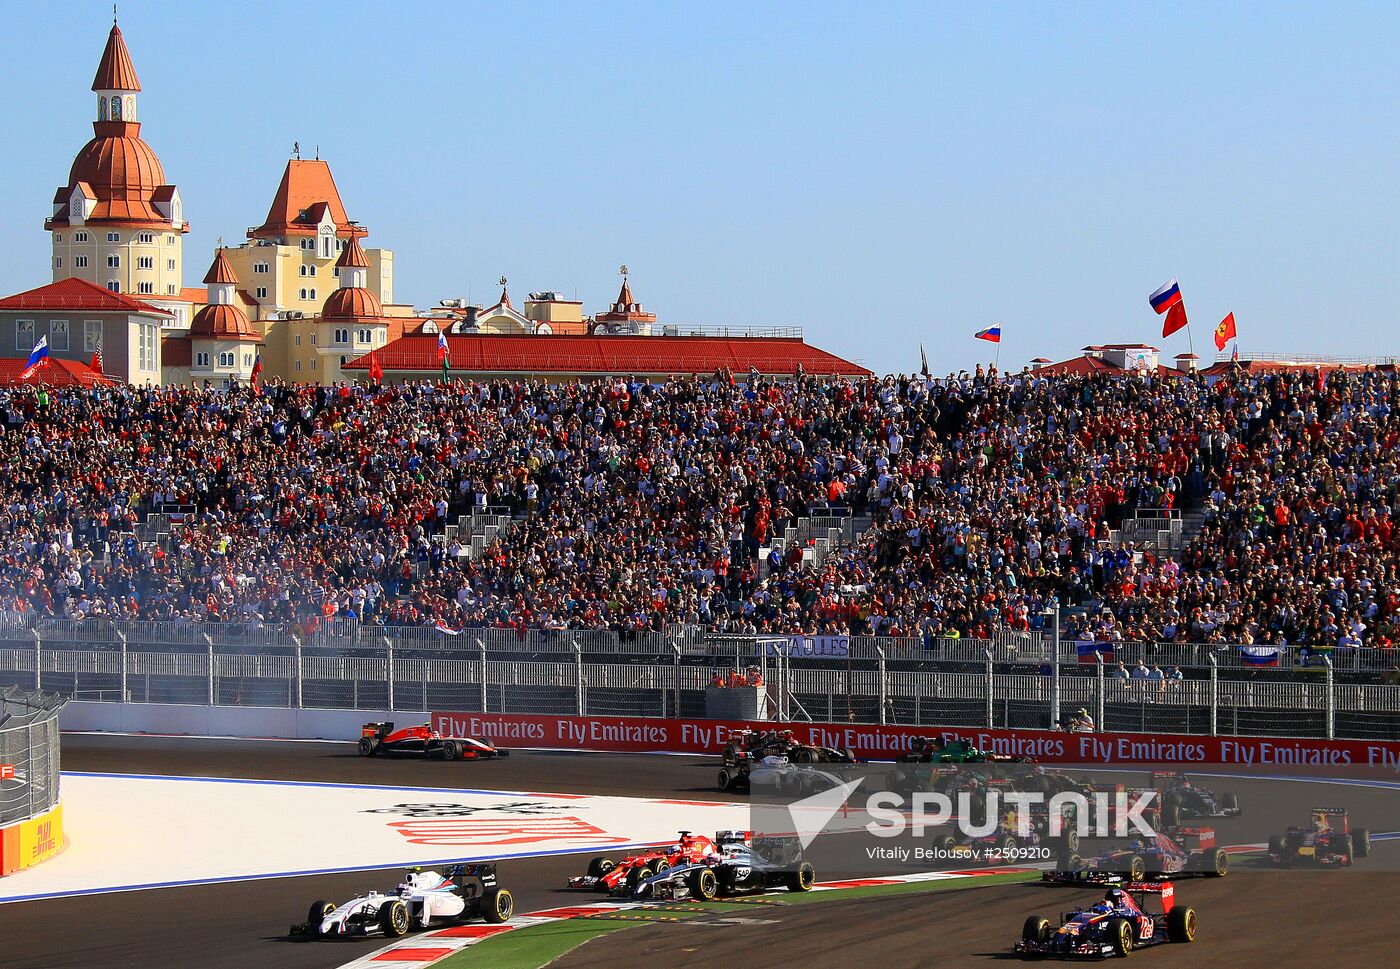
(423, 741)
(606, 875)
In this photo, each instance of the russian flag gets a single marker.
(38, 358)
(442, 346)
(991, 334)
(1087, 650)
(1259, 655)
(1166, 297)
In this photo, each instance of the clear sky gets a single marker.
(882, 174)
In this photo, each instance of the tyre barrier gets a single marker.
(31, 816)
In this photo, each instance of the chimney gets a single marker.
(1039, 362)
(1186, 362)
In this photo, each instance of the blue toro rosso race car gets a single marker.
(1182, 851)
(1123, 921)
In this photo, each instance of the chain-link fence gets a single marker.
(847, 679)
(29, 758)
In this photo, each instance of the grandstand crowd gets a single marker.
(641, 504)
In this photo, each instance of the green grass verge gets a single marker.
(538, 945)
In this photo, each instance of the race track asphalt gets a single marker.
(1252, 918)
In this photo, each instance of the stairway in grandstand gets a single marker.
(479, 529)
(816, 535)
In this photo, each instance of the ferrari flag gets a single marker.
(1225, 332)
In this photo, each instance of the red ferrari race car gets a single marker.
(1122, 922)
(606, 875)
(423, 741)
(1329, 841)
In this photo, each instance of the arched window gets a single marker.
(303, 294)
(226, 359)
(102, 109)
(116, 109)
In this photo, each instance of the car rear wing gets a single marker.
(381, 729)
(1157, 776)
(1165, 890)
(1202, 836)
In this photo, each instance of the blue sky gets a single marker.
(883, 175)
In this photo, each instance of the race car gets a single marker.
(740, 864)
(423, 741)
(1182, 851)
(1328, 841)
(757, 744)
(1121, 922)
(775, 775)
(1183, 799)
(606, 875)
(423, 899)
(936, 750)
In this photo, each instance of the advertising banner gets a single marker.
(877, 742)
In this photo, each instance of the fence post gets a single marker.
(1214, 696)
(676, 660)
(209, 641)
(989, 714)
(389, 668)
(1331, 731)
(884, 685)
(38, 659)
(1098, 692)
(481, 644)
(121, 638)
(578, 678)
(297, 640)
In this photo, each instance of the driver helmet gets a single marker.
(1116, 898)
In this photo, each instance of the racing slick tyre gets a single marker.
(317, 914)
(1216, 865)
(451, 750)
(1136, 869)
(1181, 925)
(367, 747)
(703, 884)
(801, 880)
(1278, 849)
(1036, 929)
(1361, 842)
(497, 905)
(1119, 934)
(731, 754)
(1229, 802)
(1171, 811)
(638, 875)
(393, 918)
(1070, 862)
(1342, 845)
(945, 844)
(662, 865)
(803, 755)
(598, 867)
(1069, 841)
(726, 779)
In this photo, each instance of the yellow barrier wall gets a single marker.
(30, 842)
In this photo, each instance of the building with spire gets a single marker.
(223, 342)
(625, 316)
(117, 222)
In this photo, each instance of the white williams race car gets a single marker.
(424, 898)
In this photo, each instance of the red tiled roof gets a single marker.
(304, 183)
(352, 256)
(221, 270)
(351, 303)
(77, 294)
(223, 321)
(58, 373)
(176, 351)
(1085, 366)
(115, 72)
(526, 353)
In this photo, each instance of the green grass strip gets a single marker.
(538, 945)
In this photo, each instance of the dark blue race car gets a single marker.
(1123, 921)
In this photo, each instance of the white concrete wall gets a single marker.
(203, 721)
